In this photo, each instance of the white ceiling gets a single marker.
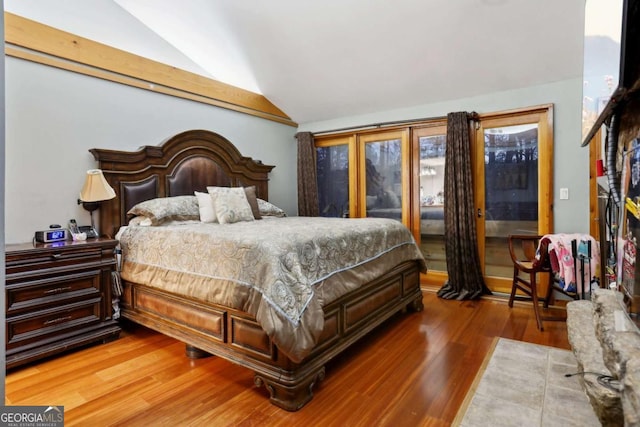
(318, 60)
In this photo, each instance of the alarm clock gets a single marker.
(52, 235)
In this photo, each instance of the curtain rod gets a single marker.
(378, 125)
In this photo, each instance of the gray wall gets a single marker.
(53, 117)
(571, 162)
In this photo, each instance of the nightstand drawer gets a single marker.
(44, 290)
(27, 263)
(25, 329)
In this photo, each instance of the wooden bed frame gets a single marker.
(191, 161)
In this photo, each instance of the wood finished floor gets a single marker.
(412, 371)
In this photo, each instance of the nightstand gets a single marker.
(58, 297)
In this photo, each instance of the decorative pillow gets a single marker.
(250, 192)
(205, 206)
(140, 221)
(179, 208)
(230, 204)
(269, 209)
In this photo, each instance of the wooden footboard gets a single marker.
(235, 335)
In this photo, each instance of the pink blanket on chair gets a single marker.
(563, 263)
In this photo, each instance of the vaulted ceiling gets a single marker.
(318, 60)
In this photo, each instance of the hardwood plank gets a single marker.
(413, 370)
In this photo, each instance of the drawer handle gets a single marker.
(56, 256)
(58, 320)
(57, 290)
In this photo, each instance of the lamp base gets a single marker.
(89, 206)
(91, 230)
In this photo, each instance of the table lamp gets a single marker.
(95, 189)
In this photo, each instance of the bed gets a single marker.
(237, 331)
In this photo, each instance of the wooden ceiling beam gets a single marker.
(33, 41)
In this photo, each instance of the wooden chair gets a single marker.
(530, 255)
(522, 249)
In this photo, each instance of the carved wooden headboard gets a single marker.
(187, 162)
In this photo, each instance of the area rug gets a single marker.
(523, 384)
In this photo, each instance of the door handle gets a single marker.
(479, 213)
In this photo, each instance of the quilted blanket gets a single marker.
(275, 269)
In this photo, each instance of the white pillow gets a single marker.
(230, 204)
(205, 205)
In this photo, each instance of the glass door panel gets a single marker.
(334, 160)
(432, 148)
(511, 191)
(385, 175)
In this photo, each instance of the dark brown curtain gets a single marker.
(307, 176)
(463, 262)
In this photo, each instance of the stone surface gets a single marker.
(625, 348)
(610, 318)
(630, 398)
(525, 384)
(589, 355)
(620, 341)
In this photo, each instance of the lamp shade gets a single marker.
(96, 188)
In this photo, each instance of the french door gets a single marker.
(513, 154)
(336, 166)
(399, 173)
(428, 154)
